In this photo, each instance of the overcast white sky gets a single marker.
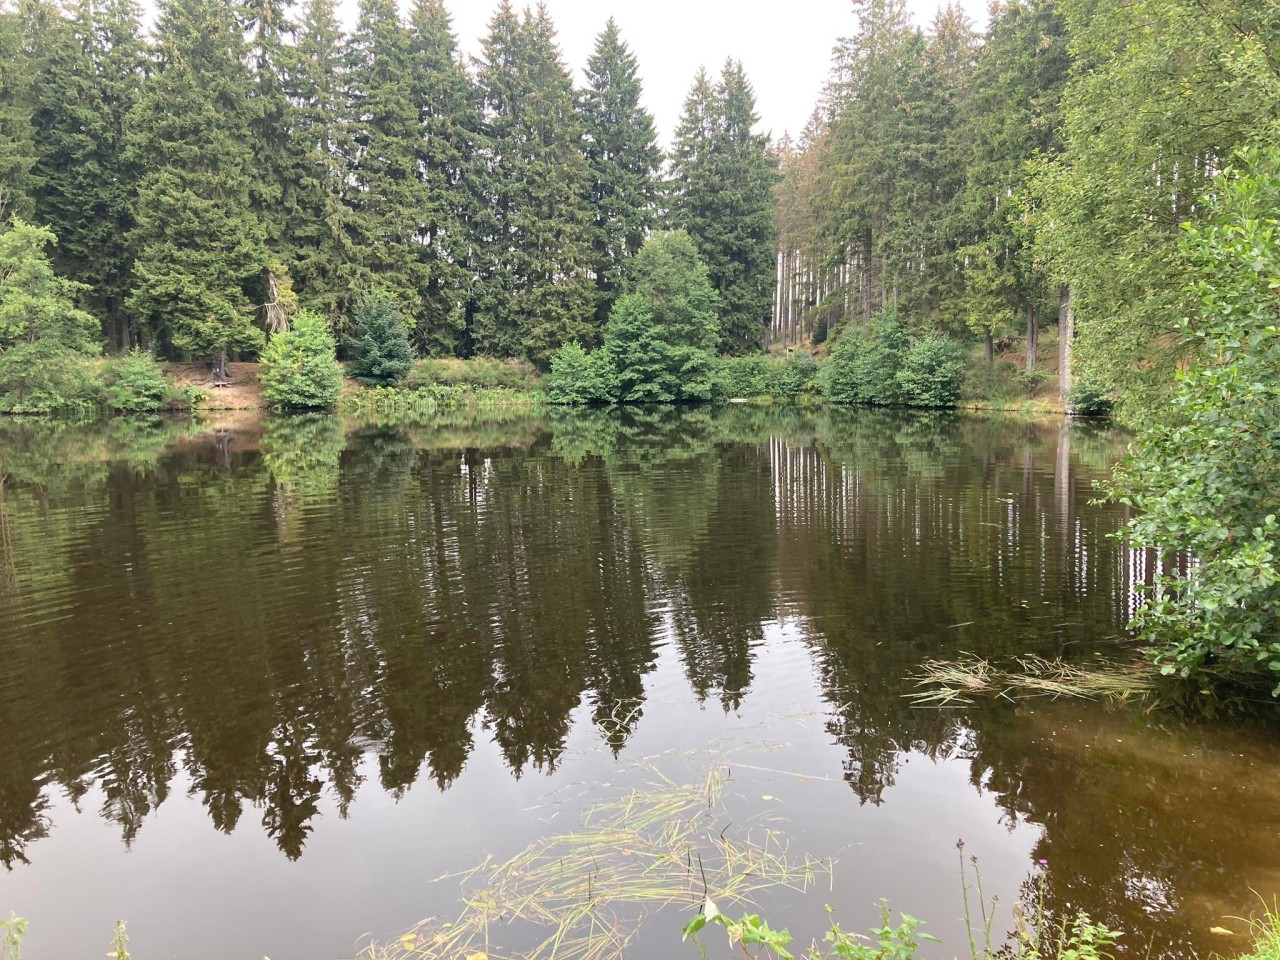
(785, 47)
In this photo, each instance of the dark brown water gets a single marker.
(260, 687)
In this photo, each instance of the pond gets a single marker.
(264, 684)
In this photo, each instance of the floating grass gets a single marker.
(944, 683)
(583, 895)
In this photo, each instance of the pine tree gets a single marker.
(447, 137)
(723, 174)
(90, 79)
(385, 194)
(200, 245)
(624, 159)
(540, 291)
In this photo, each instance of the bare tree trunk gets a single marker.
(1033, 331)
(219, 366)
(988, 346)
(1066, 333)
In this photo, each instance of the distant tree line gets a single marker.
(990, 184)
(246, 159)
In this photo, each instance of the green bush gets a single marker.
(45, 377)
(1088, 399)
(931, 374)
(864, 363)
(135, 383)
(579, 378)
(298, 367)
(481, 372)
(753, 375)
(1204, 482)
(379, 344)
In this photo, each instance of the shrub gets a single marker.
(1089, 399)
(298, 367)
(45, 377)
(799, 375)
(379, 344)
(1204, 484)
(482, 372)
(754, 375)
(864, 364)
(661, 337)
(931, 374)
(137, 384)
(579, 378)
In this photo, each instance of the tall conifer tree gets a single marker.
(539, 182)
(200, 245)
(624, 159)
(18, 72)
(385, 193)
(723, 174)
(90, 80)
(447, 139)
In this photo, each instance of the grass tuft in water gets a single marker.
(945, 683)
(583, 895)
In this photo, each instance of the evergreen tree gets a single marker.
(624, 159)
(321, 247)
(18, 71)
(1012, 117)
(90, 79)
(723, 175)
(447, 139)
(540, 292)
(385, 194)
(200, 244)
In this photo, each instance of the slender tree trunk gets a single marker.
(988, 346)
(1033, 330)
(220, 377)
(1066, 333)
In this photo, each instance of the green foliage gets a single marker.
(623, 159)
(722, 178)
(661, 337)
(580, 378)
(379, 344)
(137, 384)
(864, 363)
(784, 379)
(932, 373)
(480, 372)
(35, 303)
(1205, 483)
(11, 933)
(1089, 399)
(299, 370)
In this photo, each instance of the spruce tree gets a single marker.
(447, 137)
(386, 195)
(90, 79)
(723, 174)
(624, 160)
(321, 251)
(540, 294)
(200, 244)
(17, 135)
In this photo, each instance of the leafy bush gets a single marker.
(1029, 380)
(864, 363)
(761, 375)
(137, 384)
(298, 366)
(1088, 399)
(661, 337)
(799, 375)
(932, 373)
(1205, 484)
(379, 344)
(580, 378)
(46, 377)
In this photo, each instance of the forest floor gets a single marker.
(244, 392)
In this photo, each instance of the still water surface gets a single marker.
(261, 686)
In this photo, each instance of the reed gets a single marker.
(945, 683)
